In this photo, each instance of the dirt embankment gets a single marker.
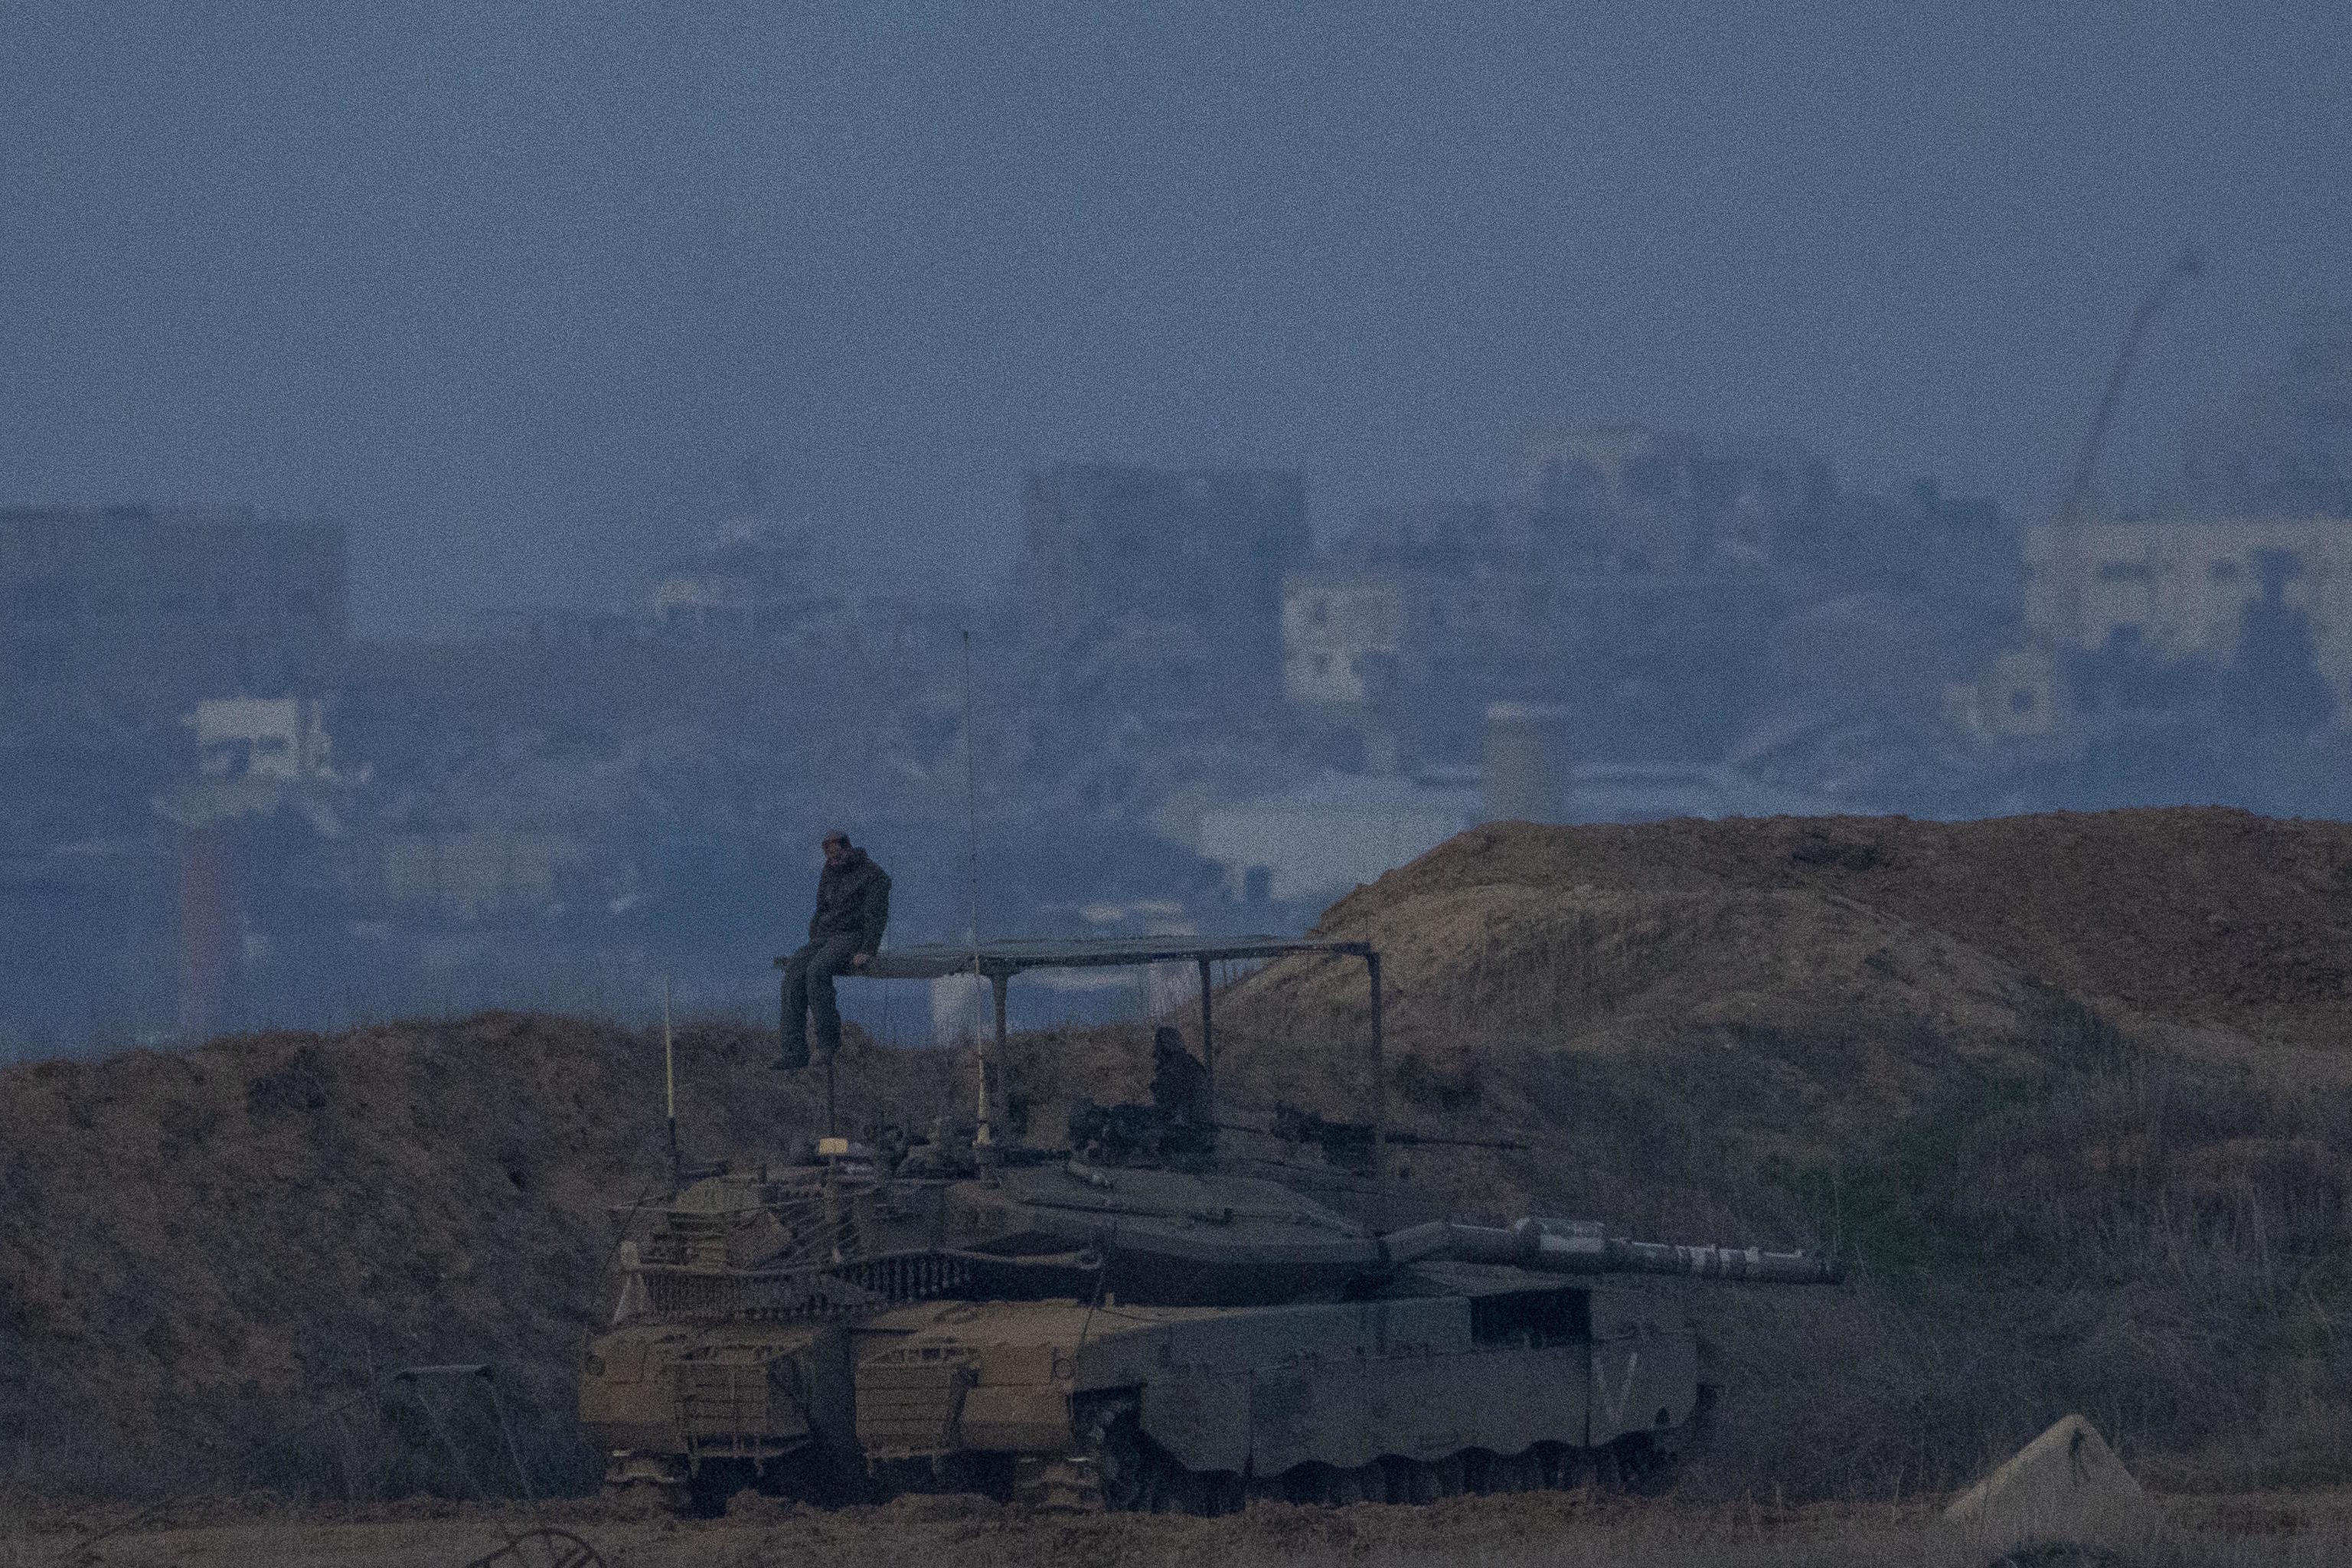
(2200, 916)
(1844, 972)
(2069, 1090)
(206, 1250)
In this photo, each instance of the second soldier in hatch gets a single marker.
(1179, 1098)
(852, 905)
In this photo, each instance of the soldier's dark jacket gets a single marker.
(852, 901)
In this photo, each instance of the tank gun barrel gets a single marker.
(1405, 1138)
(1706, 1261)
(1583, 1246)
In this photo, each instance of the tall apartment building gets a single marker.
(137, 613)
(1105, 547)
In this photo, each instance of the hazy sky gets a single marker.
(516, 288)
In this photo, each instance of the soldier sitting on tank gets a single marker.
(852, 905)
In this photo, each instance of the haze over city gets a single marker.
(518, 292)
(482, 488)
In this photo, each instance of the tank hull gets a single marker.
(1515, 1384)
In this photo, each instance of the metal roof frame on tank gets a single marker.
(999, 959)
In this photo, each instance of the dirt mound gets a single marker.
(1868, 1011)
(208, 1249)
(2202, 916)
(1813, 981)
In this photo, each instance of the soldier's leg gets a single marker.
(831, 957)
(791, 1034)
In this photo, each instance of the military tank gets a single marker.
(1101, 1327)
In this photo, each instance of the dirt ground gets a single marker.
(2254, 1532)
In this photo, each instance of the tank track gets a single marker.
(1118, 1469)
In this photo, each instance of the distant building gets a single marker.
(1104, 547)
(752, 576)
(2285, 449)
(275, 738)
(560, 629)
(2017, 698)
(757, 590)
(1627, 578)
(1341, 633)
(1631, 499)
(469, 872)
(141, 613)
(2173, 592)
(1315, 842)
(1364, 637)
(2228, 611)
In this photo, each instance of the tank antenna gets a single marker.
(971, 809)
(971, 878)
(670, 1082)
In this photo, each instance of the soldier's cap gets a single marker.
(835, 835)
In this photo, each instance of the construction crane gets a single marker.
(2187, 264)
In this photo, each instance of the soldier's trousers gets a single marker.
(808, 996)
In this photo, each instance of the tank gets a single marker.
(1128, 1324)
(1127, 1337)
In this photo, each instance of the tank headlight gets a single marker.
(595, 1366)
